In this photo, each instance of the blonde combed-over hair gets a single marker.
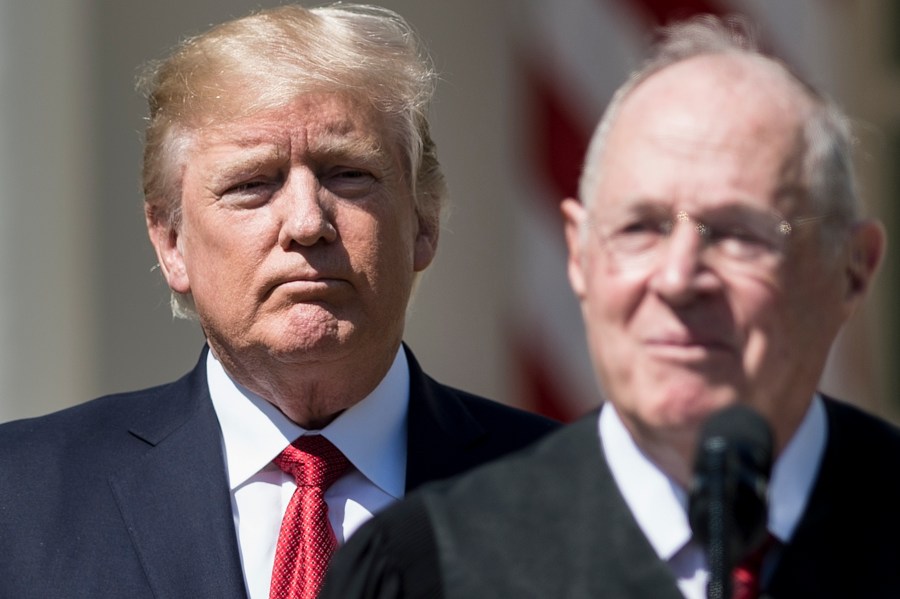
(267, 59)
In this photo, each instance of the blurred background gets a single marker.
(82, 313)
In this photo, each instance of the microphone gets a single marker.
(727, 507)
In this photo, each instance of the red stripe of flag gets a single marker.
(661, 12)
(559, 142)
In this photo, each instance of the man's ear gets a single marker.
(425, 247)
(574, 214)
(166, 242)
(867, 247)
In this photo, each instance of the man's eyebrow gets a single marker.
(250, 160)
(639, 205)
(253, 153)
(349, 146)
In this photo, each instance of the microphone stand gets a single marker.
(720, 563)
(727, 503)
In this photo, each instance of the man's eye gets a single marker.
(745, 243)
(349, 183)
(246, 187)
(249, 193)
(644, 227)
(739, 234)
(352, 174)
(636, 236)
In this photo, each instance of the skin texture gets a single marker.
(684, 335)
(299, 242)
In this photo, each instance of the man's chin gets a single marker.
(687, 408)
(307, 349)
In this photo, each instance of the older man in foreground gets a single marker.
(292, 194)
(717, 249)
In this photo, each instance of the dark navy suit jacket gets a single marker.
(126, 496)
(550, 522)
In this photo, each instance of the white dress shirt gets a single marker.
(659, 504)
(372, 434)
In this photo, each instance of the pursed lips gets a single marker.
(305, 285)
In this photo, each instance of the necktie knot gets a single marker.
(313, 461)
(306, 540)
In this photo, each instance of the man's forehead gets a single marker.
(705, 105)
(705, 133)
(748, 90)
(325, 123)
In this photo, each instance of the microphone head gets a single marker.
(731, 475)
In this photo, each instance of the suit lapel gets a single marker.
(175, 499)
(440, 430)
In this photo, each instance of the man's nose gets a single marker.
(306, 214)
(681, 273)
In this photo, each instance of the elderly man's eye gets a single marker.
(640, 227)
(246, 187)
(349, 182)
(357, 176)
(353, 174)
(250, 193)
(745, 235)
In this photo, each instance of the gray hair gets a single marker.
(367, 52)
(827, 175)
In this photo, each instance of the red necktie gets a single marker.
(306, 540)
(745, 578)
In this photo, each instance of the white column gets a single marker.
(46, 203)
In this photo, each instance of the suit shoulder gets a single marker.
(529, 468)
(494, 410)
(104, 409)
(92, 430)
(451, 431)
(513, 427)
(848, 423)
(862, 451)
(458, 408)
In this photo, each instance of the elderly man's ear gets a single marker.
(426, 242)
(574, 213)
(867, 246)
(166, 242)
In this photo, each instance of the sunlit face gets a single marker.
(299, 237)
(705, 321)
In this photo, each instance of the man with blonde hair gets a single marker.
(717, 249)
(292, 195)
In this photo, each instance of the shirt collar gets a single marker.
(659, 504)
(794, 472)
(372, 433)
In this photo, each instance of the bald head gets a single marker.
(731, 74)
(710, 109)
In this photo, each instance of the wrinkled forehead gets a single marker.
(325, 123)
(244, 93)
(325, 115)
